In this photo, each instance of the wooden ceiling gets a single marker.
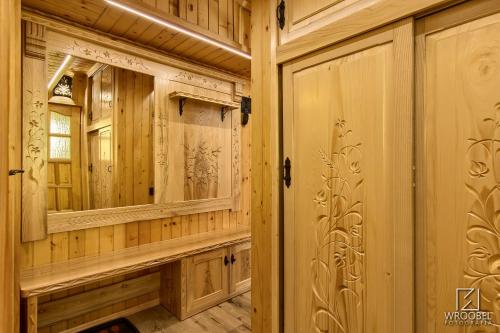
(227, 21)
(55, 59)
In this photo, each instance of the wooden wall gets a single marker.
(133, 130)
(10, 85)
(62, 247)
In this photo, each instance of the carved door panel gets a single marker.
(94, 170)
(240, 268)
(207, 280)
(348, 210)
(458, 178)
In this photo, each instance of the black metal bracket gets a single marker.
(287, 177)
(182, 102)
(15, 172)
(223, 111)
(246, 109)
(280, 14)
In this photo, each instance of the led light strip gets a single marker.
(58, 72)
(180, 29)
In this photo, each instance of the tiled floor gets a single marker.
(232, 316)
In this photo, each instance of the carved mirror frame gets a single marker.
(171, 76)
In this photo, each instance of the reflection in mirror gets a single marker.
(100, 148)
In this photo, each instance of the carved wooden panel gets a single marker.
(201, 152)
(348, 209)
(34, 127)
(458, 183)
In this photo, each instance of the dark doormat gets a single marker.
(120, 325)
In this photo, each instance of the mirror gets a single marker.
(100, 135)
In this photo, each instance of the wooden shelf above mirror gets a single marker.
(223, 103)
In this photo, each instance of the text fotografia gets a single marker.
(467, 311)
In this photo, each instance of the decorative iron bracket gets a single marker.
(246, 109)
(223, 111)
(287, 177)
(15, 172)
(182, 102)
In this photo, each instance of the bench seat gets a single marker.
(56, 277)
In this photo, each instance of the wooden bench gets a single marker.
(52, 278)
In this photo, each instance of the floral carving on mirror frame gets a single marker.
(338, 265)
(36, 135)
(483, 217)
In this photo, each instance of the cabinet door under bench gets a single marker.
(196, 283)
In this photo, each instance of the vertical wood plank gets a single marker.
(156, 231)
(132, 232)
(219, 220)
(144, 232)
(211, 221)
(176, 227)
(32, 314)
(223, 18)
(192, 11)
(203, 221)
(225, 219)
(119, 236)
(213, 16)
(203, 13)
(76, 244)
(92, 242)
(106, 239)
(166, 231)
(59, 247)
(185, 225)
(34, 127)
(194, 226)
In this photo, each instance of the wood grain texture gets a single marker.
(336, 26)
(35, 120)
(230, 316)
(334, 189)
(10, 150)
(115, 22)
(265, 180)
(53, 277)
(457, 241)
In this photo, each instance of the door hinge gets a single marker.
(287, 177)
(280, 14)
(246, 109)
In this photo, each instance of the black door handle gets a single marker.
(15, 171)
(287, 177)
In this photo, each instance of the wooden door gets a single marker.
(96, 103)
(240, 268)
(100, 168)
(458, 133)
(348, 210)
(207, 280)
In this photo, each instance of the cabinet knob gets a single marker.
(226, 261)
(233, 259)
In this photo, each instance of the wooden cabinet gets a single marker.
(348, 210)
(199, 282)
(300, 15)
(206, 280)
(102, 94)
(458, 178)
(240, 276)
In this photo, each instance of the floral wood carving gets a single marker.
(106, 56)
(203, 82)
(201, 171)
(483, 218)
(36, 135)
(339, 262)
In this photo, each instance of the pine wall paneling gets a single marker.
(64, 246)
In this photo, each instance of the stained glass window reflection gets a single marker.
(60, 147)
(59, 124)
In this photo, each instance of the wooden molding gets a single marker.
(35, 43)
(61, 222)
(55, 277)
(353, 20)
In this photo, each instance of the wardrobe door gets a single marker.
(458, 171)
(348, 206)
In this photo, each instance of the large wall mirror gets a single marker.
(112, 136)
(101, 158)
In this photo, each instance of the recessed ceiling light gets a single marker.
(181, 29)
